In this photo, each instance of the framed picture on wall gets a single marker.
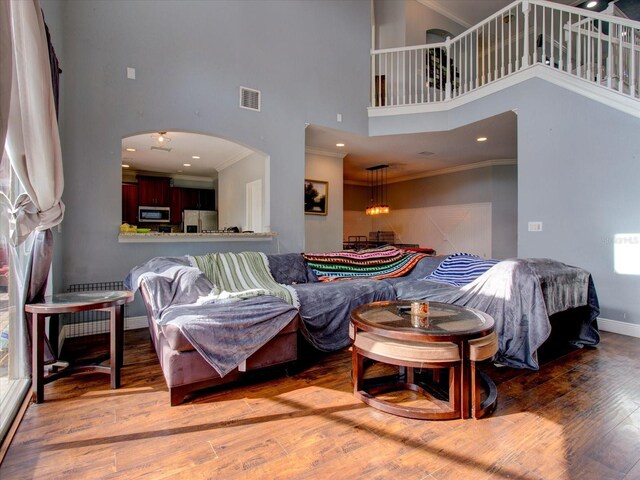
(316, 197)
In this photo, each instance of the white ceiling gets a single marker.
(215, 154)
(403, 153)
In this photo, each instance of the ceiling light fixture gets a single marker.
(481, 139)
(339, 144)
(592, 4)
(377, 184)
(124, 165)
(161, 139)
(186, 164)
(130, 149)
(195, 157)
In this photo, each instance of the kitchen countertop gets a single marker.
(156, 237)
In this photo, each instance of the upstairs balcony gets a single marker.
(597, 54)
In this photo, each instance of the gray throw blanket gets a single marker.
(224, 332)
(519, 294)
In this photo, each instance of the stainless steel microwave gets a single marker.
(154, 214)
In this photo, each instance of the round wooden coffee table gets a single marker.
(451, 338)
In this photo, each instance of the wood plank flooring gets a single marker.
(576, 418)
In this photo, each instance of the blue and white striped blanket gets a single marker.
(460, 269)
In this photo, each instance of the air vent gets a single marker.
(425, 153)
(163, 149)
(250, 99)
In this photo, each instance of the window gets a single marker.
(14, 374)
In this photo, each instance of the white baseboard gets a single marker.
(77, 329)
(616, 326)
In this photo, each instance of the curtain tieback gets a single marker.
(24, 218)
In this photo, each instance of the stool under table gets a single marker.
(436, 355)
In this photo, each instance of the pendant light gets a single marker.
(378, 190)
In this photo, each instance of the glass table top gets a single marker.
(87, 297)
(81, 300)
(443, 318)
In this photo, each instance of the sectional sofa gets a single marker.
(544, 289)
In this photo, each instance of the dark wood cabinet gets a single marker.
(189, 198)
(207, 199)
(198, 199)
(154, 191)
(176, 194)
(130, 203)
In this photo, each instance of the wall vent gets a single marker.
(250, 99)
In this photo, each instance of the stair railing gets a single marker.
(595, 47)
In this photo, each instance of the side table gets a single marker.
(109, 301)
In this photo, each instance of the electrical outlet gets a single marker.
(535, 226)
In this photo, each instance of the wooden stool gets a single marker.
(481, 349)
(429, 355)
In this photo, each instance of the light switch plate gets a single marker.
(535, 226)
(131, 73)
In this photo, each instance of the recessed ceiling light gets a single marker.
(195, 157)
(124, 165)
(481, 139)
(591, 4)
(130, 149)
(339, 144)
(186, 164)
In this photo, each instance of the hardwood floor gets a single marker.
(576, 418)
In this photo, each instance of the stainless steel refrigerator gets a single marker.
(198, 221)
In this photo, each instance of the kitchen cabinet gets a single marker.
(154, 191)
(176, 194)
(129, 203)
(198, 199)
(207, 199)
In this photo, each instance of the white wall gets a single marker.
(472, 210)
(323, 233)
(232, 195)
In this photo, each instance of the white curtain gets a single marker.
(29, 135)
(29, 126)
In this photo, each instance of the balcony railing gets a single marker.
(597, 48)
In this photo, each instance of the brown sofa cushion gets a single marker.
(177, 341)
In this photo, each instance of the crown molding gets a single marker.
(233, 159)
(437, 7)
(326, 153)
(445, 171)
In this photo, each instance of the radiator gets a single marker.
(89, 323)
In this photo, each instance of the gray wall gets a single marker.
(310, 60)
(578, 173)
(504, 211)
(401, 23)
(420, 18)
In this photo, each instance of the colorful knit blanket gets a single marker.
(378, 263)
(242, 275)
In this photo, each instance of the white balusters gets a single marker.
(597, 48)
